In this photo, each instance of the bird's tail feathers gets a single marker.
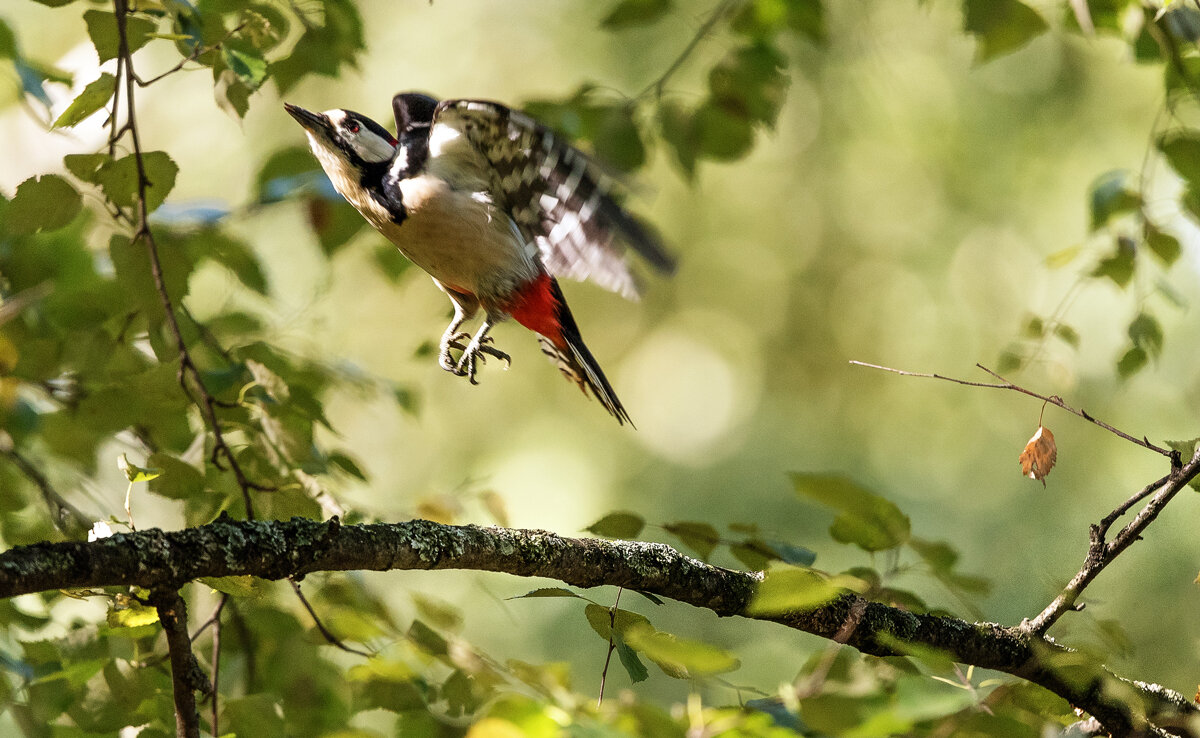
(544, 310)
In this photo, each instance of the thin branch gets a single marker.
(66, 517)
(172, 613)
(329, 636)
(1052, 399)
(612, 631)
(188, 371)
(714, 17)
(216, 664)
(1101, 554)
(280, 549)
(197, 51)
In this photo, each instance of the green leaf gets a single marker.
(629, 13)
(718, 134)
(700, 537)
(807, 17)
(43, 203)
(119, 179)
(102, 29)
(135, 473)
(85, 166)
(248, 65)
(629, 659)
(1146, 334)
(1182, 149)
(864, 518)
(623, 525)
(1132, 362)
(792, 589)
(604, 622)
(1001, 26)
(1118, 267)
(676, 654)
(94, 97)
(1163, 245)
(256, 714)
(131, 614)
(8, 42)
(236, 586)
(750, 83)
(1112, 196)
(178, 480)
(1068, 334)
(548, 592)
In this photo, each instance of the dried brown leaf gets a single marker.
(1039, 455)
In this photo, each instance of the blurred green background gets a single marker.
(902, 214)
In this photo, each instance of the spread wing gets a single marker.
(555, 194)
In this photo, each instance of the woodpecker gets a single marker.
(494, 206)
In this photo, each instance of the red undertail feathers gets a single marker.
(541, 308)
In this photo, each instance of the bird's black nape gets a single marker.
(413, 109)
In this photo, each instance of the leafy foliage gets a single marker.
(101, 359)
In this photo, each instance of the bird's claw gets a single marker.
(471, 353)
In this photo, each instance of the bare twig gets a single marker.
(612, 631)
(1052, 399)
(215, 705)
(172, 613)
(1101, 554)
(714, 17)
(329, 636)
(65, 516)
(189, 375)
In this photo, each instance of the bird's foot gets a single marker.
(451, 341)
(474, 352)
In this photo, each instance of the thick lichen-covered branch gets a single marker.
(278, 549)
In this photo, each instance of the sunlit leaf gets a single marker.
(94, 97)
(236, 586)
(864, 518)
(548, 592)
(119, 179)
(694, 657)
(135, 473)
(793, 589)
(102, 28)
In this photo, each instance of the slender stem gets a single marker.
(172, 613)
(612, 630)
(65, 516)
(189, 374)
(714, 17)
(329, 636)
(1052, 399)
(197, 51)
(216, 664)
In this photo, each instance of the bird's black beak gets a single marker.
(313, 122)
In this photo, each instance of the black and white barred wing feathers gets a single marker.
(555, 194)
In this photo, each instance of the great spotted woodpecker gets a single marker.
(494, 206)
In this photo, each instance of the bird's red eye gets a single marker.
(352, 127)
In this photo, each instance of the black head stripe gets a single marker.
(413, 109)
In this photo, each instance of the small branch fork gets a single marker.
(186, 674)
(1100, 553)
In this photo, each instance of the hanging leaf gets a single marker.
(94, 97)
(1002, 26)
(624, 525)
(43, 203)
(135, 473)
(1112, 196)
(1039, 455)
(864, 518)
